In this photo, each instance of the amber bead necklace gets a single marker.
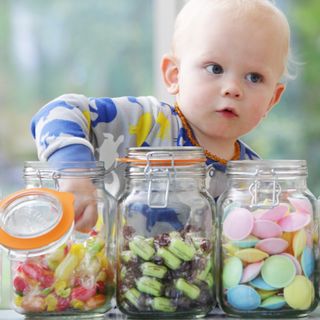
(191, 137)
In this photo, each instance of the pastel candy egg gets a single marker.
(248, 242)
(272, 245)
(294, 222)
(274, 214)
(251, 271)
(259, 283)
(299, 294)
(288, 236)
(251, 255)
(295, 262)
(266, 229)
(228, 208)
(307, 262)
(264, 294)
(302, 205)
(232, 272)
(229, 249)
(243, 297)
(299, 242)
(273, 303)
(238, 224)
(278, 271)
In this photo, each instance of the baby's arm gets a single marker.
(61, 130)
(72, 128)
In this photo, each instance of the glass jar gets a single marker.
(165, 235)
(76, 277)
(267, 240)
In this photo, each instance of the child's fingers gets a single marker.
(87, 219)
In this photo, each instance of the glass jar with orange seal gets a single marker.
(55, 269)
(165, 235)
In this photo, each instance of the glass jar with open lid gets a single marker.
(165, 235)
(55, 269)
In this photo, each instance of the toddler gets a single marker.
(225, 69)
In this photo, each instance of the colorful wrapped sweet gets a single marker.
(79, 280)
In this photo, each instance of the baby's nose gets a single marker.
(232, 90)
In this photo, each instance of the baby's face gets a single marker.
(229, 72)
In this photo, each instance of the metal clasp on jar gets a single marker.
(265, 190)
(159, 179)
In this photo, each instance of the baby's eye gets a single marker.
(254, 77)
(215, 68)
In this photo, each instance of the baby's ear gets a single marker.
(170, 71)
(277, 94)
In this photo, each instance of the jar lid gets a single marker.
(33, 219)
(264, 168)
(164, 156)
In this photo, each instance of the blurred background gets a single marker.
(113, 48)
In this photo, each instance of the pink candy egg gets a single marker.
(238, 224)
(251, 271)
(302, 205)
(274, 214)
(294, 222)
(272, 245)
(266, 229)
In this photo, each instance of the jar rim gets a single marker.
(272, 166)
(64, 168)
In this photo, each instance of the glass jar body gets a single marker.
(267, 241)
(165, 241)
(77, 277)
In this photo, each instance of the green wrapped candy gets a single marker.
(141, 248)
(188, 289)
(150, 286)
(153, 270)
(133, 295)
(181, 249)
(163, 304)
(170, 259)
(202, 275)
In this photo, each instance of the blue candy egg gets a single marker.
(273, 303)
(307, 262)
(259, 283)
(243, 297)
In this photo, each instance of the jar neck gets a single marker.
(178, 183)
(44, 174)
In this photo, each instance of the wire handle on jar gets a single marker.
(255, 191)
(158, 174)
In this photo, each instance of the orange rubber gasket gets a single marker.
(66, 200)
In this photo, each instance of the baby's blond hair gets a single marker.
(264, 9)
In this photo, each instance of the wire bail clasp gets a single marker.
(158, 179)
(265, 190)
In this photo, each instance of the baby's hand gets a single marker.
(85, 204)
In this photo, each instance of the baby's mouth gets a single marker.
(228, 112)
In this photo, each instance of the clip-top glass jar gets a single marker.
(267, 240)
(77, 277)
(165, 235)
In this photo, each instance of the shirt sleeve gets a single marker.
(74, 127)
